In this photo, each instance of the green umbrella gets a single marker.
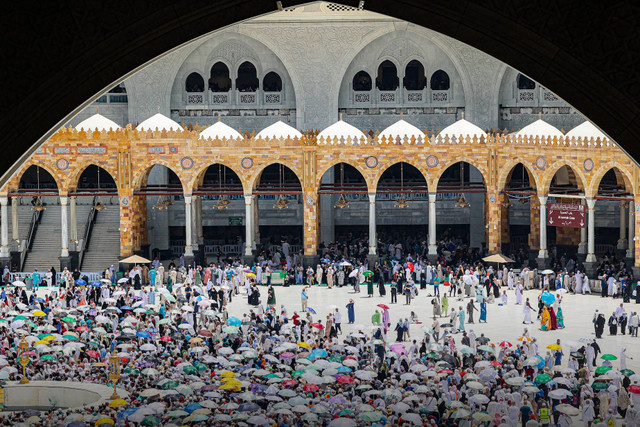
(93, 344)
(42, 336)
(189, 370)
(70, 337)
(608, 357)
(132, 371)
(627, 372)
(47, 357)
(170, 298)
(230, 330)
(336, 358)
(19, 318)
(297, 373)
(177, 414)
(269, 376)
(603, 369)
(68, 319)
(432, 355)
(485, 348)
(599, 385)
(33, 325)
(151, 421)
(201, 367)
(542, 379)
(367, 273)
(370, 417)
(164, 321)
(199, 418)
(346, 412)
(169, 385)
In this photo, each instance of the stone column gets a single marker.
(255, 238)
(631, 235)
(14, 220)
(188, 248)
(73, 234)
(433, 249)
(543, 253)
(622, 239)
(582, 247)
(248, 226)
(197, 223)
(591, 237)
(372, 225)
(64, 200)
(310, 227)
(4, 226)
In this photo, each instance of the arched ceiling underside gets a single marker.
(71, 52)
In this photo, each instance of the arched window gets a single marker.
(194, 83)
(387, 76)
(414, 78)
(247, 80)
(440, 81)
(525, 82)
(272, 82)
(362, 81)
(219, 80)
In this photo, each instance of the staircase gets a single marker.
(104, 244)
(47, 242)
(25, 213)
(46, 245)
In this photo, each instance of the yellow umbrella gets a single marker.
(231, 381)
(44, 342)
(228, 374)
(554, 347)
(39, 313)
(135, 259)
(195, 340)
(105, 420)
(117, 403)
(229, 387)
(49, 338)
(304, 345)
(251, 274)
(523, 338)
(99, 365)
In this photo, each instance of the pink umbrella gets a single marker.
(287, 355)
(399, 349)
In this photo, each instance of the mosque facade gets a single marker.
(302, 92)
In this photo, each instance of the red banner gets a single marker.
(566, 215)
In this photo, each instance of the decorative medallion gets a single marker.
(432, 161)
(309, 200)
(637, 207)
(62, 164)
(371, 161)
(246, 163)
(124, 201)
(588, 165)
(186, 162)
(492, 198)
(541, 162)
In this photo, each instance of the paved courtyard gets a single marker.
(503, 322)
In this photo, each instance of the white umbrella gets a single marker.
(568, 409)
(148, 347)
(480, 398)
(19, 284)
(559, 393)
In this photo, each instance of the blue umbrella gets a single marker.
(318, 352)
(96, 284)
(541, 364)
(76, 424)
(547, 298)
(38, 299)
(127, 412)
(143, 334)
(192, 407)
(311, 310)
(343, 369)
(234, 321)
(126, 307)
(81, 282)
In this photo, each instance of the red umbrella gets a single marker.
(634, 389)
(290, 382)
(93, 353)
(82, 329)
(205, 333)
(344, 379)
(505, 344)
(410, 266)
(495, 363)
(165, 338)
(287, 355)
(124, 360)
(445, 371)
(311, 387)
(383, 306)
(317, 325)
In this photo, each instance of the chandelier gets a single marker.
(223, 202)
(38, 205)
(342, 201)
(461, 202)
(99, 206)
(282, 203)
(401, 202)
(160, 204)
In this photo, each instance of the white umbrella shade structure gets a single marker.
(499, 258)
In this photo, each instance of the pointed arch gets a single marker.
(413, 162)
(141, 175)
(507, 168)
(547, 178)
(326, 168)
(20, 174)
(622, 174)
(73, 182)
(255, 182)
(198, 178)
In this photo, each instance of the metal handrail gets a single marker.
(91, 218)
(35, 220)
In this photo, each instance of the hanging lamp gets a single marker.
(461, 202)
(342, 201)
(222, 201)
(99, 206)
(160, 205)
(401, 203)
(281, 203)
(38, 205)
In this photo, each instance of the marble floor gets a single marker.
(503, 322)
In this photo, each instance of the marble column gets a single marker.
(622, 239)
(4, 226)
(543, 252)
(15, 231)
(64, 200)
(73, 234)
(433, 249)
(197, 222)
(248, 224)
(630, 242)
(188, 248)
(373, 238)
(582, 247)
(591, 237)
